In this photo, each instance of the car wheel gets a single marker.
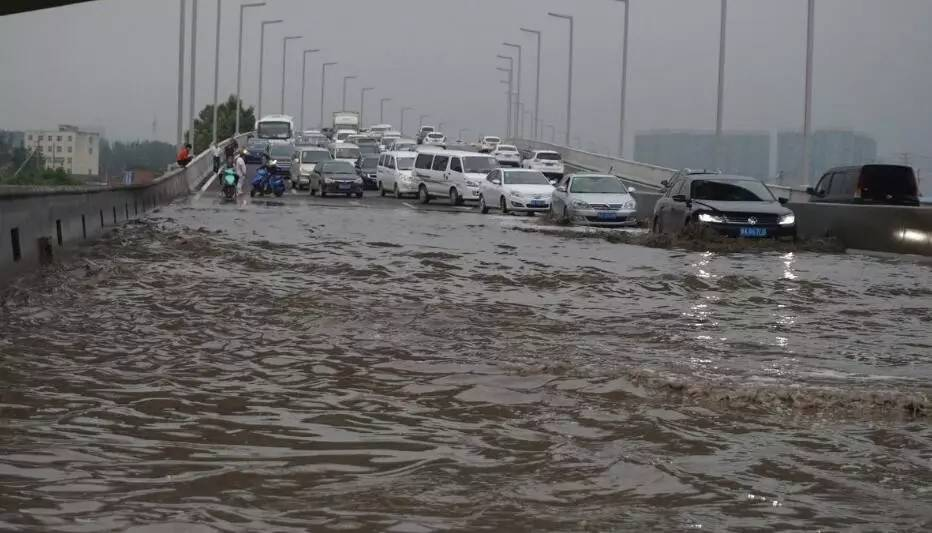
(359, 194)
(483, 208)
(422, 194)
(566, 215)
(454, 196)
(313, 191)
(323, 193)
(397, 194)
(252, 193)
(381, 189)
(655, 225)
(503, 205)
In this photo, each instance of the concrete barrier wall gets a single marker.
(38, 223)
(885, 228)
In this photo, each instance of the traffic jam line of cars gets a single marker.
(494, 176)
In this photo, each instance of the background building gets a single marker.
(68, 147)
(829, 148)
(743, 153)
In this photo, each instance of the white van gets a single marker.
(451, 174)
(395, 174)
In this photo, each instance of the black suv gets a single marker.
(867, 184)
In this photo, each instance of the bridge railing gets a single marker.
(37, 223)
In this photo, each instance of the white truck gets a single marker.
(345, 120)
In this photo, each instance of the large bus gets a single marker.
(276, 128)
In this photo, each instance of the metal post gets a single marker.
(181, 75)
(807, 115)
(508, 99)
(382, 109)
(346, 79)
(304, 81)
(569, 80)
(284, 56)
(213, 136)
(262, 62)
(362, 103)
(239, 59)
(624, 83)
(403, 110)
(323, 85)
(510, 130)
(193, 75)
(520, 119)
(537, 132)
(420, 121)
(721, 85)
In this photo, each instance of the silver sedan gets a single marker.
(595, 200)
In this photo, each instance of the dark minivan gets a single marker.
(868, 184)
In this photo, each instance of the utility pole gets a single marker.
(193, 72)
(382, 109)
(239, 59)
(362, 103)
(569, 79)
(721, 85)
(304, 81)
(537, 131)
(807, 114)
(284, 56)
(181, 75)
(213, 135)
(518, 117)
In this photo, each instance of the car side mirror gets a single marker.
(783, 201)
(561, 188)
(679, 198)
(665, 183)
(554, 182)
(632, 189)
(497, 181)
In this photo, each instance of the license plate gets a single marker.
(536, 203)
(344, 186)
(753, 232)
(607, 216)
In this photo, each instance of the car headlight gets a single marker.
(515, 194)
(472, 184)
(630, 205)
(788, 219)
(580, 204)
(357, 180)
(328, 181)
(709, 218)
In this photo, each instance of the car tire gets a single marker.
(655, 225)
(397, 194)
(252, 193)
(483, 208)
(313, 191)
(422, 195)
(323, 193)
(359, 194)
(503, 205)
(566, 215)
(381, 189)
(454, 196)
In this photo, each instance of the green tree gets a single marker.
(226, 123)
(116, 157)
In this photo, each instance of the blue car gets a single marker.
(255, 151)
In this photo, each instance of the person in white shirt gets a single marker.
(217, 153)
(240, 166)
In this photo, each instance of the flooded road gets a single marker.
(308, 364)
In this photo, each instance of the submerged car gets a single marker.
(255, 151)
(595, 200)
(546, 161)
(515, 190)
(336, 177)
(734, 206)
(507, 155)
(868, 184)
(435, 138)
(367, 167)
(303, 165)
(283, 153)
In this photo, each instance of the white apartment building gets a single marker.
(68, 147)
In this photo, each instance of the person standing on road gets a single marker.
(216, 153)
(240, 166)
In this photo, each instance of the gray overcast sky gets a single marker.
(113, 63)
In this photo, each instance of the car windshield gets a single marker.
(369, 149)
(274, 130)
(506, 148)
(597, 184)
(526, 178)
(281, 152)
(878, 181)
(370, 161)
(426, 129)
(346, 153)
(404, 163)
(730, 191)
(492, 140)
(478, 164)
(337, 167)
(257, 145)
(548, 156)
(314, 156)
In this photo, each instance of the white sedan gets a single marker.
(507, 155)
(546, 161)
(515, 190)
(435, 139)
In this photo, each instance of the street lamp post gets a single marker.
(213, 135)
(382, 109)
(510, 130)
(304, 80)
(508, 99)
(624, 83)
(346, 79)
(420, 121)
(180, 75)
(569, 79)
(262, 61)
(807, 113)
(362, 103)
(519, 119)
(239, 58)
(284, 56)
(403, 111)
(323, 86)
(721, 85)
(537, 132)
(192, 65)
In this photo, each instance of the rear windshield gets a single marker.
(880, 181)
(492, 140)
(346, 153)
(281, 152)
(506, 148)
(426, 129)
(314, 156)
(548, 156)
(436, 136)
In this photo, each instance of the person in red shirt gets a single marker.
(184, 156)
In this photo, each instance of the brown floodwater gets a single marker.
(369, 366)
